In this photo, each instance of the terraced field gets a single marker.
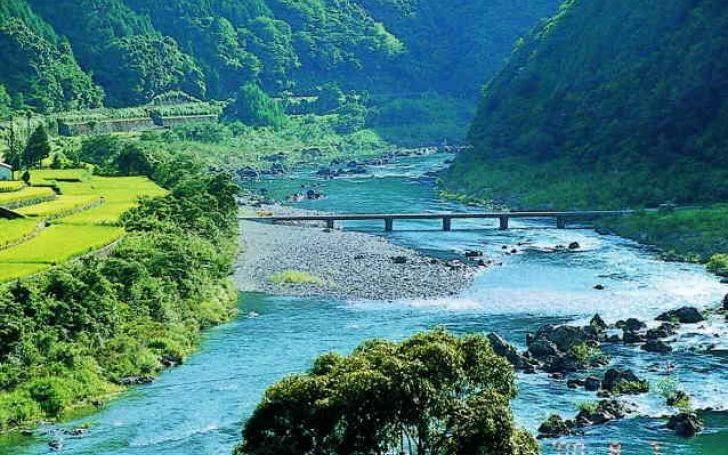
(58, 227)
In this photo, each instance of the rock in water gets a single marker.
(657, 346)
(574, 246)
(665, 330)
(554, 427)
(598, 323)
(605, 411)
(684, 315)
(624, 382)
(633, 337)
(592, 383)
(631, 325)
(685, 424)
(725, 303)
(505, 349)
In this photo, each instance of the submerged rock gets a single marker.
(684, 315)
(685, 424)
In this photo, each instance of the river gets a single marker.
(199, 408)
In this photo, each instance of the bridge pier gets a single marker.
(560, 222)
(446, 224)
(504, 222)
(389, 224)
(330, 223)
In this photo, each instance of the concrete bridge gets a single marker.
(560, 218)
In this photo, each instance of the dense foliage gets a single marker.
(634, 114)
(75, 333)
(39, 69)
(431, 394)
(254, 107)
(136, 49)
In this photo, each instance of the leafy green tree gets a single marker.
(5, 102)
(433, 394)
(254, 107)
(38, 147)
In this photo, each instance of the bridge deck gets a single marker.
(446, 217)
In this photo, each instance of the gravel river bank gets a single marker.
(349, 265)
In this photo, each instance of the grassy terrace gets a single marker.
(82, 219)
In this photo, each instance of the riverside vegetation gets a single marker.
(78, 333)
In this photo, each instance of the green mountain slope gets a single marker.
(137, 49)
(611, 103)
(39, 69)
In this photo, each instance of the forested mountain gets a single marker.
(137, 49)
(610, 103)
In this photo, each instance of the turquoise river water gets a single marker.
(199, 408)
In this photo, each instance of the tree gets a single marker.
(38, 147)
(5, 102)
(254, 107)
(433, 394)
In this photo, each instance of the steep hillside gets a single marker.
(455, 46)
(611, 103)
(136, 49)
(39, 69)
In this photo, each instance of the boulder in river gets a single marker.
(725, 303)
(598, 323)
(633, 337)
(656, 346)
(505, 349)
(631, 325)
(684, 315)
(685, 424)
(471, 254)
(540, 349)
(624, 381)
(574, 246)
(605, 411)
(592, 383)
(664, 330)
(555, 427)
(564, 337)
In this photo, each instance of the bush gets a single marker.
(254, 107)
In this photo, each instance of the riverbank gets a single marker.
(308, 260)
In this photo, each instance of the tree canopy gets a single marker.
(433, 394)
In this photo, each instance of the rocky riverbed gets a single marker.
(348, 265)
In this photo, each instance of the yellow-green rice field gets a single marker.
(82, 219)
